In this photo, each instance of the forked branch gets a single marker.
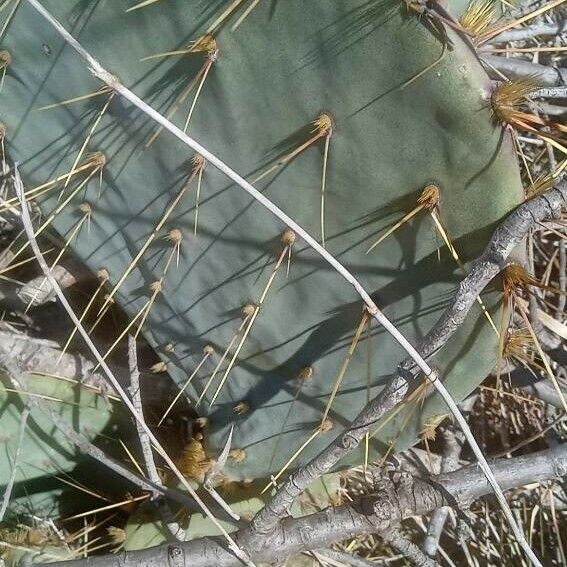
(397, 497)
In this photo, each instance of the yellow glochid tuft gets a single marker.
(478, 16)
(507, 98)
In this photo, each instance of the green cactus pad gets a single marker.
(46, 451)
(273, 76)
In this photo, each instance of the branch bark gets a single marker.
(408, 549)
(514, 68)
(453, 442)
(398, 497)
(505, 238)
(539, 29)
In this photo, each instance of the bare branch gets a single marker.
(406, 547)
(277, 508)
(528, 32)
(505, 238)
(399, 497)
(551, 92)
(453, 442)
(514, 68)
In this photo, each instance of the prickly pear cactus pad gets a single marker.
(45, 451)
(340, 114)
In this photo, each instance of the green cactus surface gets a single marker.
(384, 134)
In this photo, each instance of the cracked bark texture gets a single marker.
(396, 497)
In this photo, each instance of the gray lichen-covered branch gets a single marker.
(505, 238)
(396, 497)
